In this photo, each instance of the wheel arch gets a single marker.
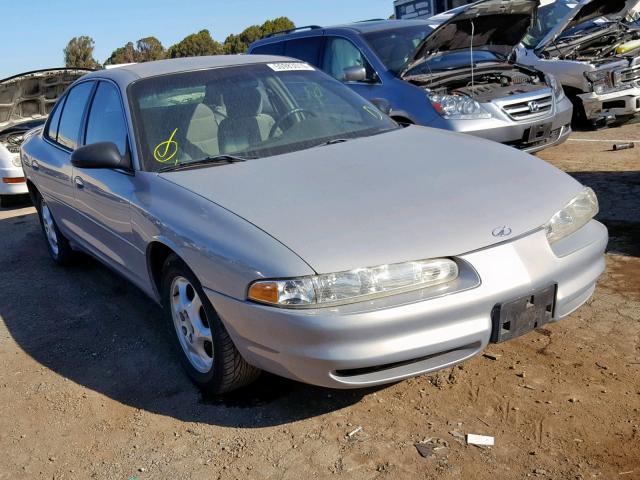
(157, 253)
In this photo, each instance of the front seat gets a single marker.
(204, 124)
(245, 126)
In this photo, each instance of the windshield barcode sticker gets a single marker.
(290, 66)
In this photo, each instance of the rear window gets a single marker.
(269, 49)
(305, 49)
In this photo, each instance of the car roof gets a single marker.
(368, 26)
(130, 73)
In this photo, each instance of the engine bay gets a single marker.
(485, 84)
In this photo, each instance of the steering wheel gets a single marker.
(281, 120)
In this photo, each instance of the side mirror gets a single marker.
(383, 105)
(355, 74)
(98, 155)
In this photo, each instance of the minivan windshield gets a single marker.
(248, 112)
(395, 47)
(452, 61)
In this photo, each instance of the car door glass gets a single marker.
(52, 127)
(71, 120)
(269, 49)
(106, 119)
(305, 49)
(341, 54)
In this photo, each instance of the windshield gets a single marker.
(251, 111)
(452, 61)
(395, 47)
(549, 16)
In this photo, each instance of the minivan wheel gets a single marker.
(57, 244)
(200, 339)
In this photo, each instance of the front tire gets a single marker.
(57, 244)
(200, 339)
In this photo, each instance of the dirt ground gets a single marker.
(89, 387)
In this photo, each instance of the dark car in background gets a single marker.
(456, 75)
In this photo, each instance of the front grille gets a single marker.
(629, 76)
(530, 108)
(13, 148)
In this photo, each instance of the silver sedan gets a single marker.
(285, 224)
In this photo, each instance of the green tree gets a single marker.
(240, 43)
(149, 49)
(126, 54)
(79, 53)
(195, 45)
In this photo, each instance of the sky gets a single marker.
(34, 32)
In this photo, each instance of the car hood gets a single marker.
(365, 203)
(586, 10)
(31, 95)
(496, 25)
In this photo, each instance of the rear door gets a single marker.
(51, 168)
(102, 196)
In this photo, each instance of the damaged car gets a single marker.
(452, 72)
(25, 103)
(592, 47)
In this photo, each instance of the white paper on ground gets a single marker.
(480, 440)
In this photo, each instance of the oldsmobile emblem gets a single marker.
(502, 232)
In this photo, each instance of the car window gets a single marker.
(52, 127)
(396, 46)
(341, 54)
(305, 49)
(276, 48)
(71, 120)
(106, 121)
(253, 111)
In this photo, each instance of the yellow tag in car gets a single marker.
(166, 150)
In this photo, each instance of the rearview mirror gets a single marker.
(355, 74)
(98, 155)
(383, 105)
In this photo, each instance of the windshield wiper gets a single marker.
(333, 142)
(214, 160)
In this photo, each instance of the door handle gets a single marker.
(79, 183)
(34, 165)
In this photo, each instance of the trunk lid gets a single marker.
(362, 203)
(495, 25)
(31, 96)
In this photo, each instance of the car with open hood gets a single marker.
(452, 72)
(592, 47)
(25, 102)
(285, 224)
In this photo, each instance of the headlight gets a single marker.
(573, 217)
(353, 286)
(457, 107)
(601, 81)
(16, 161)
(557, 87)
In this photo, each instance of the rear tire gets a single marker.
(200, 339)
(57, 244)
(4, 201)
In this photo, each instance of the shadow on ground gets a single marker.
(619, 196)
(89, 325)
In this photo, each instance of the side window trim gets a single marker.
(331, 36)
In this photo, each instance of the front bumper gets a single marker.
(12, 188)
(608, 107)
(394, 338)
(500, 128)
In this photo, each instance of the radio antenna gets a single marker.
(473, 32)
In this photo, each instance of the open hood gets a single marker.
(584, 11)
(31, 96)
(495, 25)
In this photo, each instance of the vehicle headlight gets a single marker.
(601, 81)
(457, 107)
(573, 217)
(353, 286)
(16, 161)
(557, 87)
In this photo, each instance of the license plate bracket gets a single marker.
(538, 132)
(523, 315)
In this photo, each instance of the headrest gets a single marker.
(243, 102)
